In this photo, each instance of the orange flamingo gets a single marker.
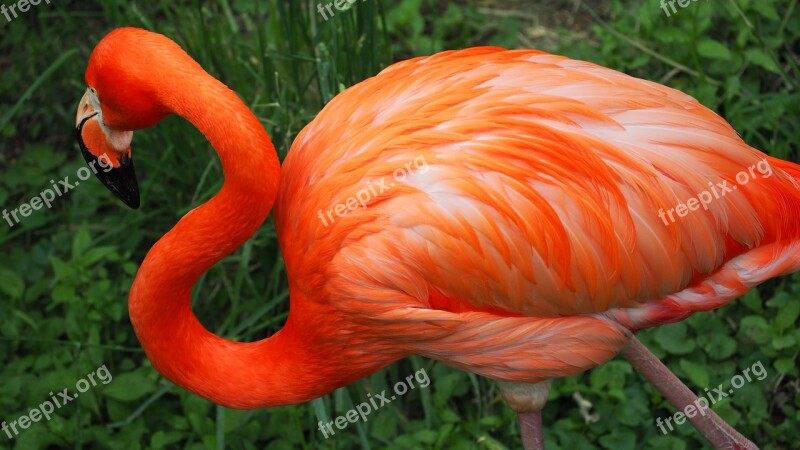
(530, 246)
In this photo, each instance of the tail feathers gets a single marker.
(788, 192)
(731, 281)
(789, 167)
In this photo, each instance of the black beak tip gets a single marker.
(132, 200)
(119, 180)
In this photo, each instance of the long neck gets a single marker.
(282, 369)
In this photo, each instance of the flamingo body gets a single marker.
(530, 244)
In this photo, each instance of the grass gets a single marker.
(67, 270)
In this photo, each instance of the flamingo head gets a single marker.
(125, 89)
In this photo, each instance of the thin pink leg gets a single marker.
(528, 400)
(719, 434)
(530, 425)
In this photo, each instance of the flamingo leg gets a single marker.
(709, 424)
(530, 426)
(528, 399)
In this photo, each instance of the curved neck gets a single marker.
(279, 370)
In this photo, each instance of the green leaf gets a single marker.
(425, 436)
(384, 426)
(698, 373)
(447, 385)
(787, 315)
(96, 254)
(448, 416)
(619, 440)
(781, 342)
(11, 284)
(673, 339)
(666, 443)
(756, 328)
(64, 272)
(760, 58)
(713, 49)
(161, 439)
(672, 35)
(610, 376)
(784, 365)
(128, 387)
(491, 421)
(765, 9)
(719, 346)
(27, 319)
(751, 299)
(37, 437)
(632, 410)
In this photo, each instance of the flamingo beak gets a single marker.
(106, 151)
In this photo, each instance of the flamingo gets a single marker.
(523, 242)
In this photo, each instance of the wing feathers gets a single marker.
(551, 187)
